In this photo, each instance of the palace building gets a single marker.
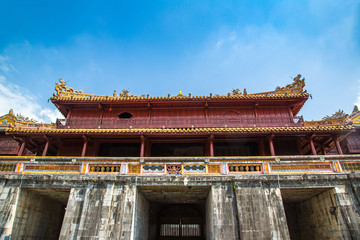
(235, 166)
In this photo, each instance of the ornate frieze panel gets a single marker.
(153, 169)
(7, 167)
(96, 168)
(53, 168)
(350, 166)
(173, 169)
(213, 169)
(134, 169)
(245, 168)
(194, 169)
(300, 167)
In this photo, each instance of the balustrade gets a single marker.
(187, 122)
(182, 166)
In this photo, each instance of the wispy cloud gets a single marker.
(5, 66)
(21, 100)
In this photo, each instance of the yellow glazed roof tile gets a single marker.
(181, 130)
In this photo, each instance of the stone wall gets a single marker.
(237, 207)
(99, 211)
(260, 211)
(37, 217)
(221, 220)
(347, 211)
(141, 224)
(315, 220)
(9, 195)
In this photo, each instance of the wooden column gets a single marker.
(83, 152)
(60, 148)
(261, 147)
(323, 149)
(22, 147)
(298, 145)
(46, 148)
(312, 145)
(211, 145)
(337, 145)
(142, 147)
(271, 145)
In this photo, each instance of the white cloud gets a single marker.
(13, 96)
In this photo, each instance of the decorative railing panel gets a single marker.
(96, 168)
(180, 122)
(181, 166)
(350, 166)
(300, 167)
(7, 167)
(153, 169)
(194, 169)
(58, 168)
(245, 168)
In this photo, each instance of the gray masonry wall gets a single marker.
(237, 207)
(99, 212)
(347, 211)
(261, 214)
(141, 224)
(315, 220)
(9, 195)
(37, 217)
(221, 220)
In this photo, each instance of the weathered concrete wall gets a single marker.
(99, 212)
(261, 213)
(37, 217)
(315, 220)
(349, 218)
(9, 196)
(237, 207)
(141, 224)
(209, 217)
(221, 220)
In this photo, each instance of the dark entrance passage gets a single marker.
(177, 149)
(181, 221)
(176, 212)
(308, 213)
(40, 213)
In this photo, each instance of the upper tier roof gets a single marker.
(294, 91)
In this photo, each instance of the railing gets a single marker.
(187, 122)
(181, 165)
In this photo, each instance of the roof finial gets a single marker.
(180, 93)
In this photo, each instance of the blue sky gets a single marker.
(159, 47)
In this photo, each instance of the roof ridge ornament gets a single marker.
(62, 89)
(296, 85)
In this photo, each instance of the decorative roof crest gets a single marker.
(295, 87)
(63, 90)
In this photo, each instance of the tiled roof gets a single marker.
(293, 90)
(182, 130)
(86, 98)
